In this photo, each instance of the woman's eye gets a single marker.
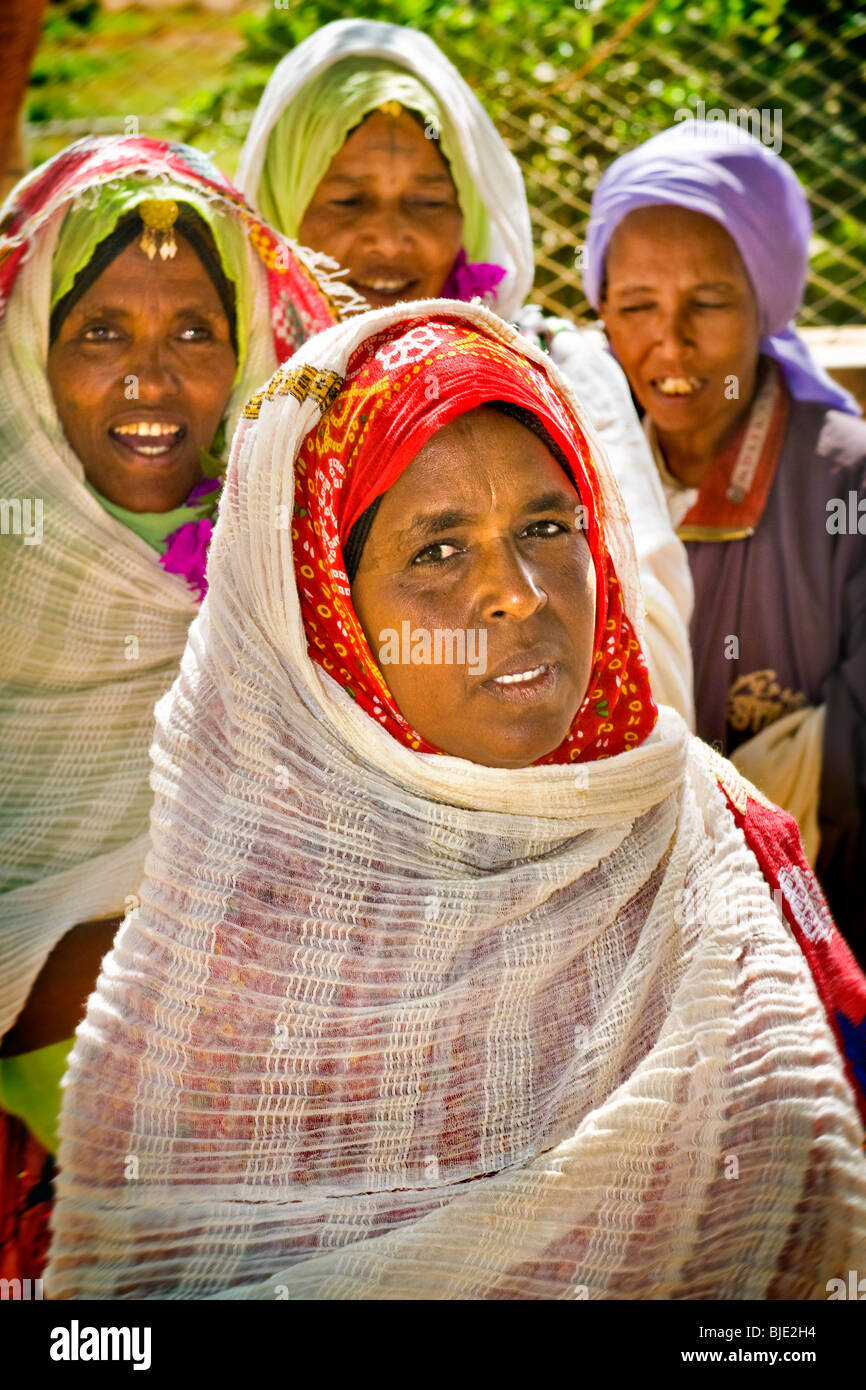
(100, 333)
(546, 528)
(634, 308)
(352, 202)
(196, 334)
(436, 554)
(705, 304)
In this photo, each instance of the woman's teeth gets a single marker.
(385, 286)
(138, 431)
(677, 385)
(147, 428)
(522, 676)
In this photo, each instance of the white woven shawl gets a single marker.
(493, 168)
(92, 629)
(391, 1025)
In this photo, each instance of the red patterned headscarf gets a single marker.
(401, 386)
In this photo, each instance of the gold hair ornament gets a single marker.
(158, 234)
(391, 108)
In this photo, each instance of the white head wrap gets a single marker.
(393, 1025)
(493, 170)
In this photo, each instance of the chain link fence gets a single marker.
(570, 87)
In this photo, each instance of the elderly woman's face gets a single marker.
(482, 534)
(387, 210)
(141, 372)
(681, 317)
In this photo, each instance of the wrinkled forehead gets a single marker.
(673, 240)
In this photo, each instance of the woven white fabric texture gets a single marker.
(92, 629)
(391, 1025)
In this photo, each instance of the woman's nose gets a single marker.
(386, 230)
(675, 328)
(155, 373)
(508, 586)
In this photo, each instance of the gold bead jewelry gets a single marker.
(158, 234)
(391, 108)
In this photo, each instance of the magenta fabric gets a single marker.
(186, 553)
(470, 278)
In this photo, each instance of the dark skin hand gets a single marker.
(58, 998)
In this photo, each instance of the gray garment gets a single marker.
(794, 595)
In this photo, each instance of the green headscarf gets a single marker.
(314, 127)
(85, 227)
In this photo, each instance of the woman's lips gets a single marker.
(524, 684)
(148, 439)
(680, 387)
(385, 289)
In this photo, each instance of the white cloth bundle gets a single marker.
(784, 760)
(92, 629)
(391, 1025)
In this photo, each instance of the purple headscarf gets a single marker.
(718, 169)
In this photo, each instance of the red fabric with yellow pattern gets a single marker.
(403, 385)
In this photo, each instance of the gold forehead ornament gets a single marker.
(391, 108)
(158, 234)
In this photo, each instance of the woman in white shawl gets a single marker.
(369, 146)
(135, 292)
(483, 981)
